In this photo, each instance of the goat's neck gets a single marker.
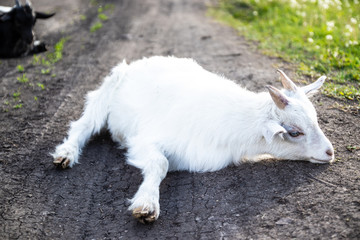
(248, 140)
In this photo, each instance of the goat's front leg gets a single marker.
(154, 165)
(38, 47)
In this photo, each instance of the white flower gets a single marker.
(311, 34)
(310, 40)
(348, 28)
(337, 2)
(347, 34)
(351, 43)
(330, 25)
(255, 13)
(329, 37)
(325, 5)
(356, 1)
(353, 20)
(301, 13)
(294, 3)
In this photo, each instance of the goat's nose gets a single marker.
(330, 152)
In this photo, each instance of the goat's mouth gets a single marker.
(322, 161)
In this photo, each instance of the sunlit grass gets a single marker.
(51, 57)
(56, 55)
(321, 36)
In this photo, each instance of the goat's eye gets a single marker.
(295, 133)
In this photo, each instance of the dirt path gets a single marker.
(271, 199)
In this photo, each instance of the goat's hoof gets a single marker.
(61, 162)
(143, 215)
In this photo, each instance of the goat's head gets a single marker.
(24, 19)
(293, 131)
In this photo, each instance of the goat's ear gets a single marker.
(313, 87)
(271, 129)
(286, 82)
(278, 97)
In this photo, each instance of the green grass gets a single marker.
(40, 85)
(23, 78)
(51, 57)
(103, 17)
(46, 62)
(96, 27)
(321, 37)
(17, 106)
(107, 7)
(16, 95)
(36, 59)
(20, 68)
(45, 71)
(56, 55)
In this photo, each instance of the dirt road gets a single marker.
(266, 200)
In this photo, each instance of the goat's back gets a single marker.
(177, 104)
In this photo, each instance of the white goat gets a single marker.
(171, 114)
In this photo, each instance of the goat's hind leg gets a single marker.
(145, 204)
(91, 122)
(67, 153)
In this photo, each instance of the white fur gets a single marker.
(5, 9)
(171, 114)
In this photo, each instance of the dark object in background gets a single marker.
(16, 31)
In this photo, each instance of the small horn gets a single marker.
(28, 2)
(286, 82)
(278, 97)
(41, 15)
(17, 3)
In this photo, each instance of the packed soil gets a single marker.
(271, 199)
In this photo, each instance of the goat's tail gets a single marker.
(97, 102)
(93, 118)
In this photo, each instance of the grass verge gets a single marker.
(320, 36)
